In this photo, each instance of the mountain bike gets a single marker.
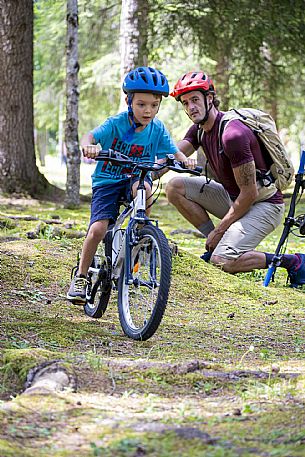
(290, 221)
(134, 258)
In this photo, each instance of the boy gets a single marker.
(135, 133)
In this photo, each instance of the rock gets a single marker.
(49, 377)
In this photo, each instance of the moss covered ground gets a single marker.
(224, 375)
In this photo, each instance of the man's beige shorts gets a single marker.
(246, 233)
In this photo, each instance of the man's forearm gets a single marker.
(246, 181)
(238, 209)
(180, 156)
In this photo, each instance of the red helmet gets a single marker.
(194, 80)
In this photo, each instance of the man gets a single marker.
(233, 197)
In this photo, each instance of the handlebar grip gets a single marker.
(197, 169)
(102, 155)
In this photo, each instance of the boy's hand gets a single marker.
(91, 151)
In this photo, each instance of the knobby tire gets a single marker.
(101, 285)
(146, 299)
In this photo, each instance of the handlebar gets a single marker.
(171, 163)
(114, 157)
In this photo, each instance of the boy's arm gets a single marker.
(88, 146)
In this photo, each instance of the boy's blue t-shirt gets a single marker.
(153, 142)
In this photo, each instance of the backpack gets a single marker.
(263, 126)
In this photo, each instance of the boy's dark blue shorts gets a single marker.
(104, 203)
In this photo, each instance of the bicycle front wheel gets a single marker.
(142, 302)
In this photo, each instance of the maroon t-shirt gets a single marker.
(239, 146)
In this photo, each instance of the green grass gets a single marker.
(223, 375)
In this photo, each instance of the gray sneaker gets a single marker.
(77, 291)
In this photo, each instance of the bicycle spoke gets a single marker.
(99, 287)
(141, 305)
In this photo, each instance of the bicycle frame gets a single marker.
(122, 238)
(121, 243)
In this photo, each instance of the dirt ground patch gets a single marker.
(223, 375)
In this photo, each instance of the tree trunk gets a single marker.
(72, 94)
(270, 82)
(133, 37)
(270, 100)
(18, 169)
(222, 78)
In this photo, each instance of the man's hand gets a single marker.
(91, 150)
(213, 239)
(189, 162)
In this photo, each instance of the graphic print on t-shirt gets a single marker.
(136, 151)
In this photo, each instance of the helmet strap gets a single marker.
(134, 125)
(207, 110)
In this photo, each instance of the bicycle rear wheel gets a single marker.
(99, 284)
(142, 303)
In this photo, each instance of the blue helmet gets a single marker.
(146, 79)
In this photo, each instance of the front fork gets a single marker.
(131, 239)
(137, 221)
(132, 235)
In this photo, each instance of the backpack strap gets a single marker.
(220, 133)
(239, 114)
(200, 134)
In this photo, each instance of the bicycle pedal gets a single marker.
(77, 303)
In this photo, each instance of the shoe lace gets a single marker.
(80, 284)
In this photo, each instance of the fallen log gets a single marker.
(32, 218)
(43, 230)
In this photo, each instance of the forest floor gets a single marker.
(223, 376)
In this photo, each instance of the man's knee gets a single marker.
(174, 188)
(223, 263)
